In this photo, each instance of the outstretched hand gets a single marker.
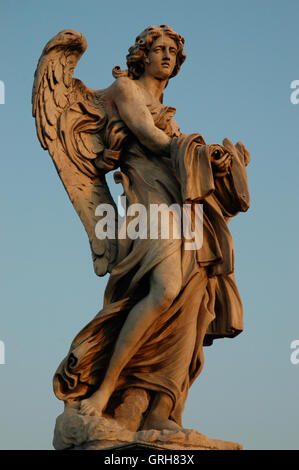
(220, 159)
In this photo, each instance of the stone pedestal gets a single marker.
(80, 432)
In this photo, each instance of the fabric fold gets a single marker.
(169, 356)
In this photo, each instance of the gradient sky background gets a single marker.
(241, 58)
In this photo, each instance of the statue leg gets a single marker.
(165, 285)
(158, 417)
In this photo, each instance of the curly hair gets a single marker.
(143, 43)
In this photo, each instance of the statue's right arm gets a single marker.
(133, 111)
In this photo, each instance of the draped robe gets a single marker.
(169, 356)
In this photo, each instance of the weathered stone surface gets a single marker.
(171, 292)
(77, 431)
(129, 414)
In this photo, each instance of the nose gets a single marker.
(166, 55)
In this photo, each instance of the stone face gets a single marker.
(171, 289)
(77, 431)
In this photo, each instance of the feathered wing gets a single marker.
(69, 120)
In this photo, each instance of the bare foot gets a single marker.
(154, 422)
(95, 405)
(90, 407)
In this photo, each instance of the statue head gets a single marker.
(143, 43)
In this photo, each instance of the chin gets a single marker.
(164, 75)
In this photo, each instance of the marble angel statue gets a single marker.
(162, 303)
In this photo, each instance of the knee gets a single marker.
(165, 295)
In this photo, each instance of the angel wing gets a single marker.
(70, 122)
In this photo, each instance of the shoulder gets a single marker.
(125, 88)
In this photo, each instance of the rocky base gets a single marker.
(76, 431)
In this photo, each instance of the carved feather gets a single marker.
(69, 118)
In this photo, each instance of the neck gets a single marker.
(153, 85)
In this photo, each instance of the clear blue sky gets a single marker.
(241, 58)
